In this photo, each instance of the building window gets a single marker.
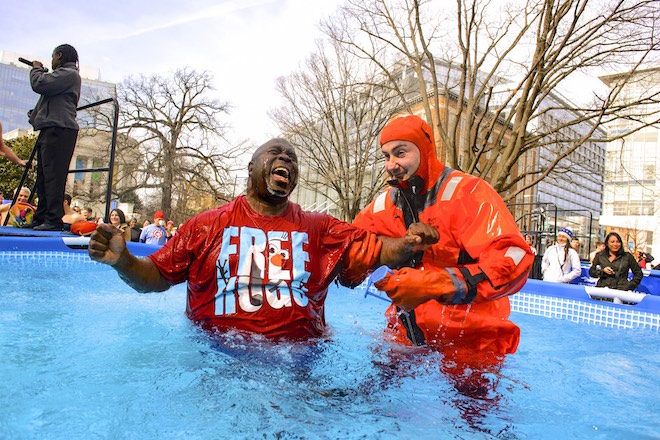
(80, 164)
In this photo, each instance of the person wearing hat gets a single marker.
(258, 263)
(155, 233)
(169, 229)
(454, 291)
(561, 264)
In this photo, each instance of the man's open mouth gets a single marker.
(280, 175)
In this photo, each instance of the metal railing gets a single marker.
(539, 209)
(543, 210)
(109, 168)
(590, 216)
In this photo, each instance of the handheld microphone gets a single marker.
(28, 62)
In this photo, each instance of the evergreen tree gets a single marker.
(10, 173)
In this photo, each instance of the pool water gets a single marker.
(84, 356)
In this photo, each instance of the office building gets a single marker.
(632, 185)
(17, 97)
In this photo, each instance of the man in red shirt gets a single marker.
(258, 263)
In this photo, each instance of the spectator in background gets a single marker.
(145, 224)
(8, 154)
(23, 196)
(611, 266)
(575, 244)
(528, 240)
(118, 220)
(155, 233)
(561, 263)
(600, 246)
(88, 213)
(135, 231)
(77, 210)
(70, 216)
(640, 256)
(169, 229)
(54, 117)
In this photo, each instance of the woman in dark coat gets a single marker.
(611, 266)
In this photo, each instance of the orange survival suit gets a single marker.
(481, 256)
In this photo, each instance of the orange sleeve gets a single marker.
(489, 234)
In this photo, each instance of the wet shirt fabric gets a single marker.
(263, 274)
(477, 234)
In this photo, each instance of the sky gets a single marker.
(245, 44)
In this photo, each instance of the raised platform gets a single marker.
(21, 232)
(27, 240)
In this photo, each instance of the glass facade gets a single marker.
(17, 97)
(631, 204)
(631, 175)
(576, 183)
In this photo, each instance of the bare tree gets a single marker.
(488, 73)
(333, 112)
(179, 133)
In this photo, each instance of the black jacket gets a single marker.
(621, 264)
(60, 92)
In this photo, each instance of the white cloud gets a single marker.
(154, 23)
(245, 44)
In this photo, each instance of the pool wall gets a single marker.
(575, 303)
(71, 244)
(650, 282)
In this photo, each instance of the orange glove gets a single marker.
(358, 260)
(409, 287)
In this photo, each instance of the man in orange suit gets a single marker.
(453, 293)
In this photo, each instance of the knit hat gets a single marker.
(159, 214)
(566, 232)
(414, 129)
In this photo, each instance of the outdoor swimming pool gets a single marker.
(84, 356)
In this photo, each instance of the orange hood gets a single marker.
(414, 129)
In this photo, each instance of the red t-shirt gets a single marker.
(264, 274)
